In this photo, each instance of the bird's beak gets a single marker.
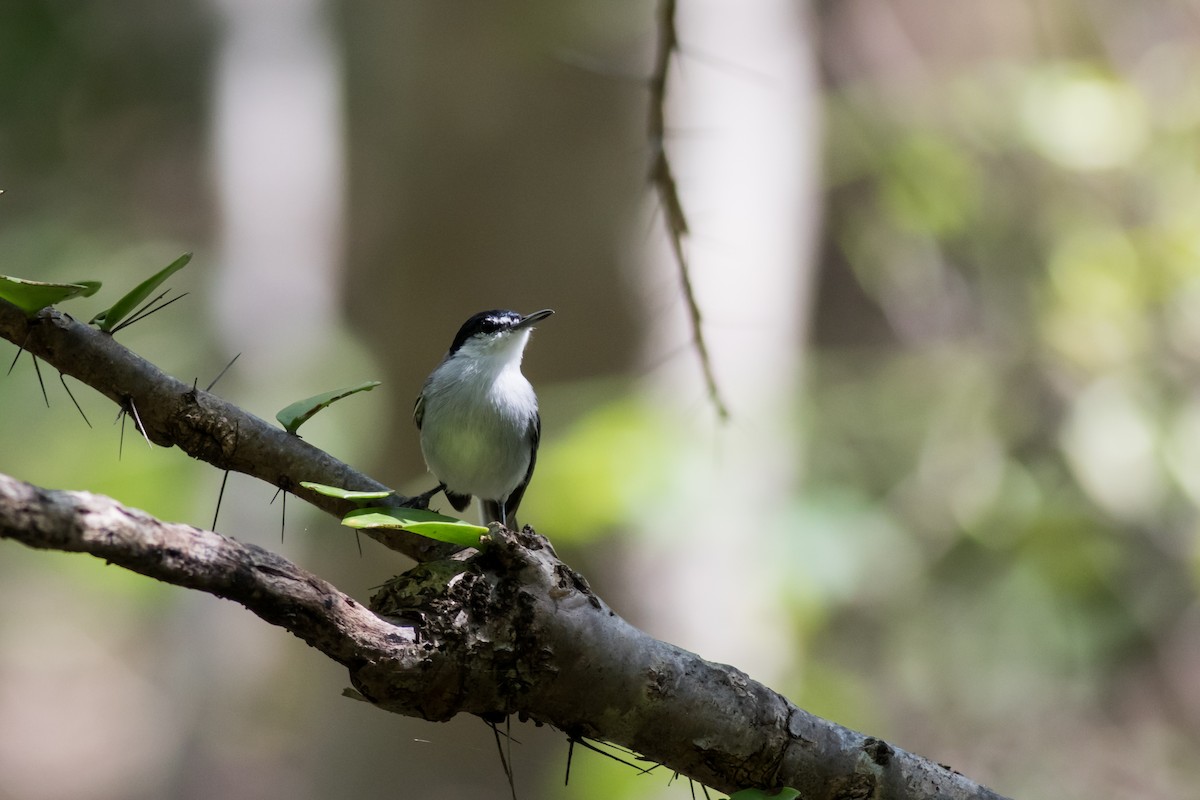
(530, 319)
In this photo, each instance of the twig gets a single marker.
(663, 179)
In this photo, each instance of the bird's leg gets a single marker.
(422, 500)
(493, 511)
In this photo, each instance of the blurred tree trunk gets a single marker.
(490, 169)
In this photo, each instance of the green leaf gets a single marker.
(33, 296)
(418, 521)
(415, 520)
(785, 793)
(299, 412)
(344, 494)
(108, 318)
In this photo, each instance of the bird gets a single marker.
(478, 415)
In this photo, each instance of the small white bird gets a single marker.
(478, 415)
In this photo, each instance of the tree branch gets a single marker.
(201, 424)
(267, 584)
(508, 629)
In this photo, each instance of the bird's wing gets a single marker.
(514, 499)
(459, 501)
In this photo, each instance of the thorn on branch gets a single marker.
(595, 748)
(20, 349)
(138, 421)
(63, 380)
(146, 311)
(283, 505)
(221, 374)
(121, 440)
(220, 497)
(505, 761)
(41, 382)
(36, 368)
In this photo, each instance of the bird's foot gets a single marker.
(421, 501)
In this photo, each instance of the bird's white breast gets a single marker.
(476, 432)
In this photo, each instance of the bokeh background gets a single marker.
(948, 256)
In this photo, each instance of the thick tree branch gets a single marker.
(267, 584)
(201, 424)
(508, 630)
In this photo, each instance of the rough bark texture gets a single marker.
(509, 629)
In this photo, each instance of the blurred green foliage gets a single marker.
(998, 527)
(607, 465)
(1022, 229)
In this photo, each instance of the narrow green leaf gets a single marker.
(108, 318)
(344, 494)
(299, 412)
(415, 520)
(32, 296)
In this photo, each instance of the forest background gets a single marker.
(948, 260)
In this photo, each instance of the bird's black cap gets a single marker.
(497, 319)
